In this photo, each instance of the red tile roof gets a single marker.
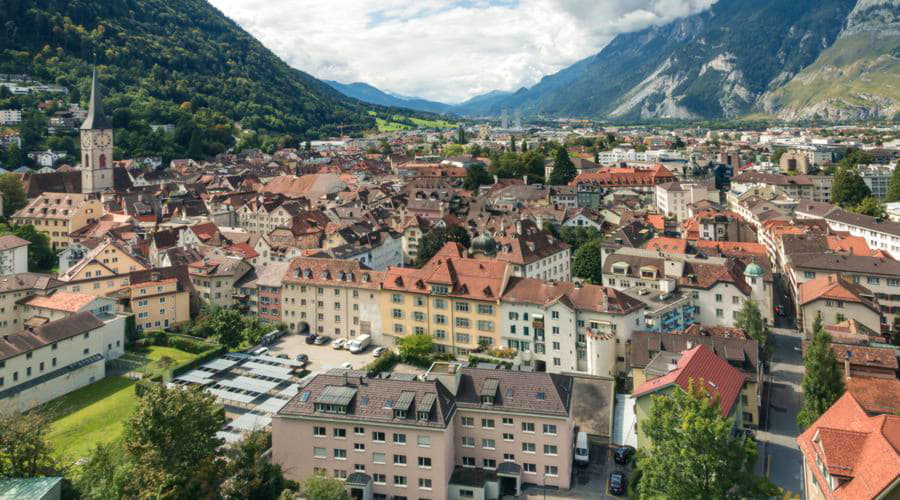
(700, 364)
(860, 449)
(61, 301)
(834, 287)
(875, 394)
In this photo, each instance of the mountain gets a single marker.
(367, 93)
(728, 61)
(857, 78)
(484, 101)
(166, 62)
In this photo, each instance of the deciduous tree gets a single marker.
(849, 188)
(228, 326)
(750, 319)
(416, 349)
(869, 206)
(24, 449)
(893, 193)
(435, 239)
(823, 379)
(250, 474)
(586, 262)
(320, 487)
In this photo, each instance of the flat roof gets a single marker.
(220, 364)
(279, 372)
(249, 384)
(230, 396)
(271, 405)
(250, 422)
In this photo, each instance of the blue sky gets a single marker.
(444, 50)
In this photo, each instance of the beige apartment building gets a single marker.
(453, 298)
(14, 288)
(333, 297)
(44, 362)
(109, 258)
(59, 214)
(214, 278)
(455, 433)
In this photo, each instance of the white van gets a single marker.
(260, 351)
(582, 450)
(359, 344)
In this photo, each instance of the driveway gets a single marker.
(321, 357)
(587, 482)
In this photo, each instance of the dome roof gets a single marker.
(754, 270)
(484, 244)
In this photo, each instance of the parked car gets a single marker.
(617, 483)
(303, 358)
(379, 351)
(322, 339)
(260, 351)
(311, 339)
(283, 356)
(347, 365)
(623, 454)
(338, 343)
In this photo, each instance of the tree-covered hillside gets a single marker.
(163, 61)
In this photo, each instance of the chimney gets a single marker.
(690, 344)
(847, 363)
(345, 379)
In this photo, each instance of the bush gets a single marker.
(474, 360)
(385, 363)
(144, 384)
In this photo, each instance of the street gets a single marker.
(780, 458)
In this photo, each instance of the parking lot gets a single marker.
(321, 357)
(587, 482)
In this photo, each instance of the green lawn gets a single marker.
(91, 415)
(162, 358)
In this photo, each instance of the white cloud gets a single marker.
(447, 51)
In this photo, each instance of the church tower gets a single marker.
(96, 146)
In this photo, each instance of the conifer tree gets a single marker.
(823, 382)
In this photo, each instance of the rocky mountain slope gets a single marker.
(368, 93)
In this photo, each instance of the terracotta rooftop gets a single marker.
(579, 297)
(835, 287)
(875, 394)
(61, 301)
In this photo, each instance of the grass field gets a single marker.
(91, 415)
(385, 125)
(162, 358)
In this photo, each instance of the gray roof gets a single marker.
(842, 263)
(50, 333)
(866, 222)
(95, 118)
(538, 392)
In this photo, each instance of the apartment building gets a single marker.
(741, 353)
(215, 278)
(109, 258)
(58, 304)
(835, 299)
(263, 217)
(877, 178)
(269, 283)
(15, 287)
(808, 187)
(13, 255)
(530, 251)
(59, 214)
(673, 199)
(334, 297)
(568, 327)
(718, 285)
(880, 234)
(453, 298)
(454, 433)
(46, 361)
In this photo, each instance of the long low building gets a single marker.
(45, 362)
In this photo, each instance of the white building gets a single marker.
(44, 362)
(10, 116)
(568, 327)
(673, 198)
(13, 255)
(877, 177)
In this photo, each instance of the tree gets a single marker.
(41, 256)
(586, 262)
(13, 194)
(678, 144)
(512, 143)
(776, 155)
(250, 474)
(105, 474)
(893, 193)
(435, 239)
(195, 146)
(750, 319)
(524, 145)
(171, 439)
(320, 487)
(869, 206)
(695, 453)
(460, 135)
(578, 236)
(228, 327)
(476, 176)
(849, 189)
(563, 169)
(24, 448)
(416, 349)
(823, 380)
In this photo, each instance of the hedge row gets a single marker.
(384, 363)
(185, 343)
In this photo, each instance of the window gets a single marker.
(551, 470)
(528, 447)
(359, 446)
(463, 338)
(467, 493)
(396, 298)
(462, 322)
(485, 309)
(359, 431)
(399, 480)
(529, 468)
(424, 483)
(425, 462)
(399, 459)
(550, 449)
(468, 442)
(340, 433)
(340, 454)
(809, 274)
(462, 306)
(528, 427)
(378, 458)
(718, 297)
(467, 421)
(378, 437)
(508, 436)
(550, 429)
(399, 438)
(379, 478)
(486, 326)
(487, 423)
(423, 441)
(319, 452)
(507, 421)
(509, 457)
(468, 461)
(720, 313)
(489, 463)
(488, 444)
(319, 431)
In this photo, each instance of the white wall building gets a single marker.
(673, 198)
(13, 255)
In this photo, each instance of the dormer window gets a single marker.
(620, 268)
(399, 413)
(440, 289)
(488, 393)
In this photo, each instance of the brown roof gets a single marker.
(49, 333)
(28, 281)
(61, 300)
(531, 392)
(9, 241)
(835, 287)
(874, 394)
(332, 272)
(739, 352)
(580, 297)
(468, 278)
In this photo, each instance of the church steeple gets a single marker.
(95, 120)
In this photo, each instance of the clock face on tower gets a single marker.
(85, 141)
(102, 140)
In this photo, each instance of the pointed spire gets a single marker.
(95, 120)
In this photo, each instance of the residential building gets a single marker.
(530, 251)
(14, 288)
(108, 258)
(215, 278)
(44, 362)
(880, 234)
(10, 116)
(667, 372)
(334, 297)
(453, 298)
(877, 178)
(807, 187)
(58, 215)
(269, 283)
(850, 454)
(740, 352)
(57, 304)
(13, 255)
(674, 198)
(835, 299)
(562, 327)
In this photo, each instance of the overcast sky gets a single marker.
(444, 50)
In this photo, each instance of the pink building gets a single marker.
(459, 433)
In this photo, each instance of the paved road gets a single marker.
(780, 456)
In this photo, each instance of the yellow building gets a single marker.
(109, 258)
(59, 214)
(453, 298)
